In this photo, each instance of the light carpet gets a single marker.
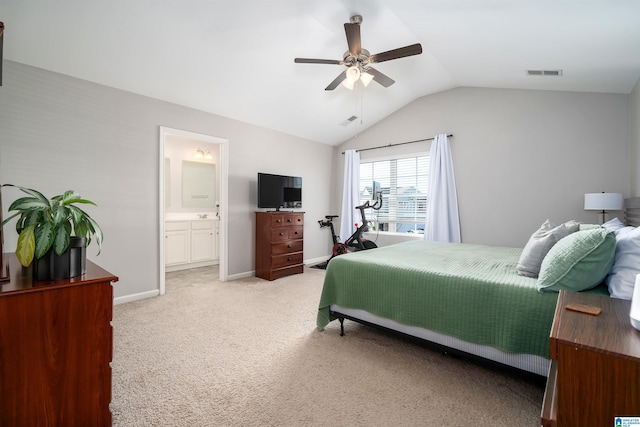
(247, 353)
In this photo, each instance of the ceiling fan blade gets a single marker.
(414, 49)
(334, 84)
(317, 61)
(383, 79)
(353, 38)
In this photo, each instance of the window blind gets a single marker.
(404, 184)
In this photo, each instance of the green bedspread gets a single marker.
(471, 292)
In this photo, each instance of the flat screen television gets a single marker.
(279, 191)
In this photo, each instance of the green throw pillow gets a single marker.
(578, 262)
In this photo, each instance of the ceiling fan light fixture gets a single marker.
(352, 76)
(366, 78)
(353, 73)
(357, 59)
(348, 84)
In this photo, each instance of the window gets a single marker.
(404, 184)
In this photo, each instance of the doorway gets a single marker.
(218, 148)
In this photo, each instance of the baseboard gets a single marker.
(307, 263)
(136, 297)
(314, 261)
(190, 265)
(240, 275)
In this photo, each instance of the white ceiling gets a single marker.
(235, 57)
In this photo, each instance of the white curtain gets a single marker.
(350, 193)
(443, 222)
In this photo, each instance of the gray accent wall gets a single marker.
(634, 131)
(59, 133)
(520, 156)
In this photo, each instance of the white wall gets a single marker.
(519, 156)
(59, 133)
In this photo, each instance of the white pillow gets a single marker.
(622, 277)
(539, 244)
(614, 224)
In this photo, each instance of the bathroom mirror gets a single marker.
(198, 184)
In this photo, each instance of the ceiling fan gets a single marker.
(358, 60)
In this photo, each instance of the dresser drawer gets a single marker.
(286, 271)
(286, 233)
(296, 232)
(277, 220)
(286, 247)
(280, 261)
(287, 219)
(293, 218)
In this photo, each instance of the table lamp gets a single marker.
(603, 202)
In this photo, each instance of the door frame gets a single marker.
(223, 145)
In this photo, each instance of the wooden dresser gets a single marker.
(595, 367)
(279, 244)
(55, 349)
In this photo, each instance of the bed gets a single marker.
(469, 298)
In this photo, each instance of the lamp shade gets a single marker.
(366, 78)
(603, 201)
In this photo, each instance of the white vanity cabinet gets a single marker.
(190, 244)
(176, 242)
(203, 239)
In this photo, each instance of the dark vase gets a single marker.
(72, 263)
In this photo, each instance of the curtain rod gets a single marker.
(399, 143)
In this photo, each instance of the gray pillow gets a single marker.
(539, 244)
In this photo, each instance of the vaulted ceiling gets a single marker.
(235, 57)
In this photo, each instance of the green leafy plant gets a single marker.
(49, 223)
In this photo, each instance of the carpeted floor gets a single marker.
(247, 353)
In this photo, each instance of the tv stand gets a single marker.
(279, 244)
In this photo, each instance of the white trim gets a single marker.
(244, 275)
(318, 260)
(136, 297)
(190, 265)
(223, 145)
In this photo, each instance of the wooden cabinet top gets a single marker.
(21, 279)
(610, 332)
(280, 213)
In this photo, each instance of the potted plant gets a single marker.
(53, 232)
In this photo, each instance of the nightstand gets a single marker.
(595, 367)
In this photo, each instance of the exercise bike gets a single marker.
(355, 242)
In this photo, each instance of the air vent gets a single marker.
(550, 73)
(349, 121)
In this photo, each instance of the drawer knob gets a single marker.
(289, 259)
(289, 220)
(278, 221)
(281, 233)
(289, 246)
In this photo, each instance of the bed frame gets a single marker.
(524, 362)
(445, 343)
(632, 211)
